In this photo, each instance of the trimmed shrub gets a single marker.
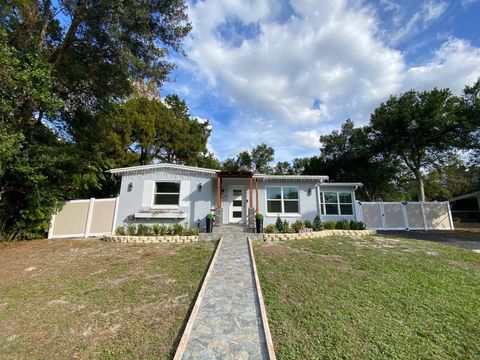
(317, 224)
(120, 230)
(329, 225)
(156, 229)
(193, 231)
(308, 224)
(177, 229)
(297, 225)
(258, 216)
(132, 229)
(271, 229)
(342, 225)
(357, 225)
(143, 230)
(286, 227)
(279, 225)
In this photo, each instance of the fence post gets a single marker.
(382, 212)
(405, 217)
(114, 222)
(425, 227)
(449, 212)
(89, 217)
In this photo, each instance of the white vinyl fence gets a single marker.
(84, 218)
(406, 215)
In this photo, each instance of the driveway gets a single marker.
(462, 239)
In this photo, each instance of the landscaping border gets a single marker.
(263, 311)
(316, 234)
(150, 239)
(182, 345)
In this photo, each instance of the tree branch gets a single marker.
(70, 36)
(45, 20)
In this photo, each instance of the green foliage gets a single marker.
(271, 229)
(356, 225)
(143, 230)
(308, 224)
(286, 227)
(178, 229)
(317, 224)
(329, 225)
(257, 160)
(258, 216)
(342, 225)
(120, 230)
(210, 216)
(279, 224)
(132, 229)
(297, 225)
(156, 228)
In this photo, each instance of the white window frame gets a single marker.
(282, 202)
(166, 206)
(339, 211)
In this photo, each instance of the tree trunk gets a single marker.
(420, 186)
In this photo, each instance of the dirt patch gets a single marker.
(275, 249)
(464, 265)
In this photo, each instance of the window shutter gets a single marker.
(147, 197)
(184, 192)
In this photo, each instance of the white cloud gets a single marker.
(455, 64)
(292, 77)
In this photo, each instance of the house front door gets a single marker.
(237, 205)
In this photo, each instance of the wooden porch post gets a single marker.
(256, 195)
(219, 193)
(251, 193)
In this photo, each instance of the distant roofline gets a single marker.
(321, 179)
(466, 196)
(142, 168)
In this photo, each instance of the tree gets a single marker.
(283, 168)
(349, 155)
(419, 128)
(230, 164)
(262, 155)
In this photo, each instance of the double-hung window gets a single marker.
(283, 200)
(336, 203)
(166, 194)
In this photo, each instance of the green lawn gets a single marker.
(370, 297)
(87, 299)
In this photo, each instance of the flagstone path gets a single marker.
(228, 324)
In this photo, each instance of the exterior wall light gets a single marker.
(199, 187)
(130, 187)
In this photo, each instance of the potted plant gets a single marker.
(209, 222)
(259, 223)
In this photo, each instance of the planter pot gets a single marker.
(259, 226)
(209, 225)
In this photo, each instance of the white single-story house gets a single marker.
(168, 193)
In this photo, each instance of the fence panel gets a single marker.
(407, 215)
(84, 218)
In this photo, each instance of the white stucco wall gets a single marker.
(196, 204)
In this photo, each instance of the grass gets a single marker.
(370, 297)
(87, 299)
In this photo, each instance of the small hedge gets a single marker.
(282, 226)
(156, 230)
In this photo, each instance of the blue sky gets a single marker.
(285, 72)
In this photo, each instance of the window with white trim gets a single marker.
(336, 203)
(283, 200)
(166, 193)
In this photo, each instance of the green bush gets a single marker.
(286, 227)
(317, 224)
(143, 230)
(329, 225)
(342, 225)
(132, 229)
(258, 216)
(308, 224)
(156, 229)
(356, 225)
(193, 231)
(120, 230)
(178, 229)
(271, 229)
(279, 225)
(297, 225)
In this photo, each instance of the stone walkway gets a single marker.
(228, 324)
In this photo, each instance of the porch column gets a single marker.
(219, 193)
(256, 196)
(250, 205)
